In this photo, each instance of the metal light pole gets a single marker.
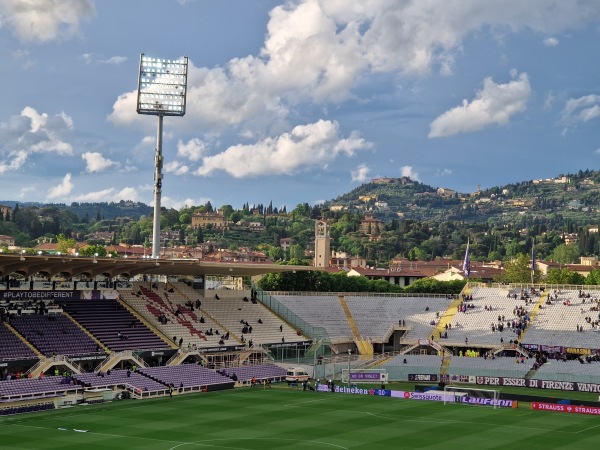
(349, 356)
(162, 88)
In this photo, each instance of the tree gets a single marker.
(518, 270)
(564, 276)
(275, 253)
(227, 211)
(64, 244)
(513, 249)
(433, 286)
(566, 254)
(92, 250)
(593, 277)
(296, 252)
(185, 218)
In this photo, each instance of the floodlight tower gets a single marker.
(162, 88)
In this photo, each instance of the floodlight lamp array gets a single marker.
(162, 86)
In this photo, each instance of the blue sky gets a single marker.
(296, 101)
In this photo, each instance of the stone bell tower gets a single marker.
(322, 244)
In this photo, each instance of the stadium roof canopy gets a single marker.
(73, 266)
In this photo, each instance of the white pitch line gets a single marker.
(429, 419)
(587, 429)
(204, 443)
(307, 401)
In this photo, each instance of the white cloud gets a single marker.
(43, 20)
(177, 168)
(115, 60)
(95, 162)
(17, 159)
(548, 101)
(193, 150)
(551, 42)
(90, 58)
(97, 196)
(30, 133)
(360, 174)
(494, 104)
(127, 193)
(109, 195)
(168, 202)
(26, 190)
(581, 109)
(443, 172)
(315, 144)
(597, 152)
(61, 190)
(407, 171)
(320, 50)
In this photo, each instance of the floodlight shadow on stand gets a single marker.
(162, 88)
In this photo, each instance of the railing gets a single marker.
(267, 299)
(361, 294)
(537, 286)
(129, 354)
(45, 360)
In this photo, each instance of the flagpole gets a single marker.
(532, 259)
(467, 262)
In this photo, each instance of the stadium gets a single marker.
(168, 354)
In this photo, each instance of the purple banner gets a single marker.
(365, 376)
(43, 295)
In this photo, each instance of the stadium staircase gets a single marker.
(529, 375)
(116, 357)
(47, 363)
(517, 349)
(364, 346)
(205, 313)
(92, 337)
(179, 357)
(20, 336)
(151, 327)
(534, 313)
(447, 317)
(446, 360)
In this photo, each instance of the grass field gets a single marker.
(283, 418)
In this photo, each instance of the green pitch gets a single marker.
(283, 418)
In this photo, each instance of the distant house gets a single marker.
(401, 278)
(6, 211)
(445, 192)
(367, 198)
(242, 255)
(571, 238)
(370, 225)
(105, 236)
(582, 269)
(214, 219)
(383, 180)
(47, 247)
(588, 261)
(285, 243)
(478, 272)
(9, 241)
(345, 261)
